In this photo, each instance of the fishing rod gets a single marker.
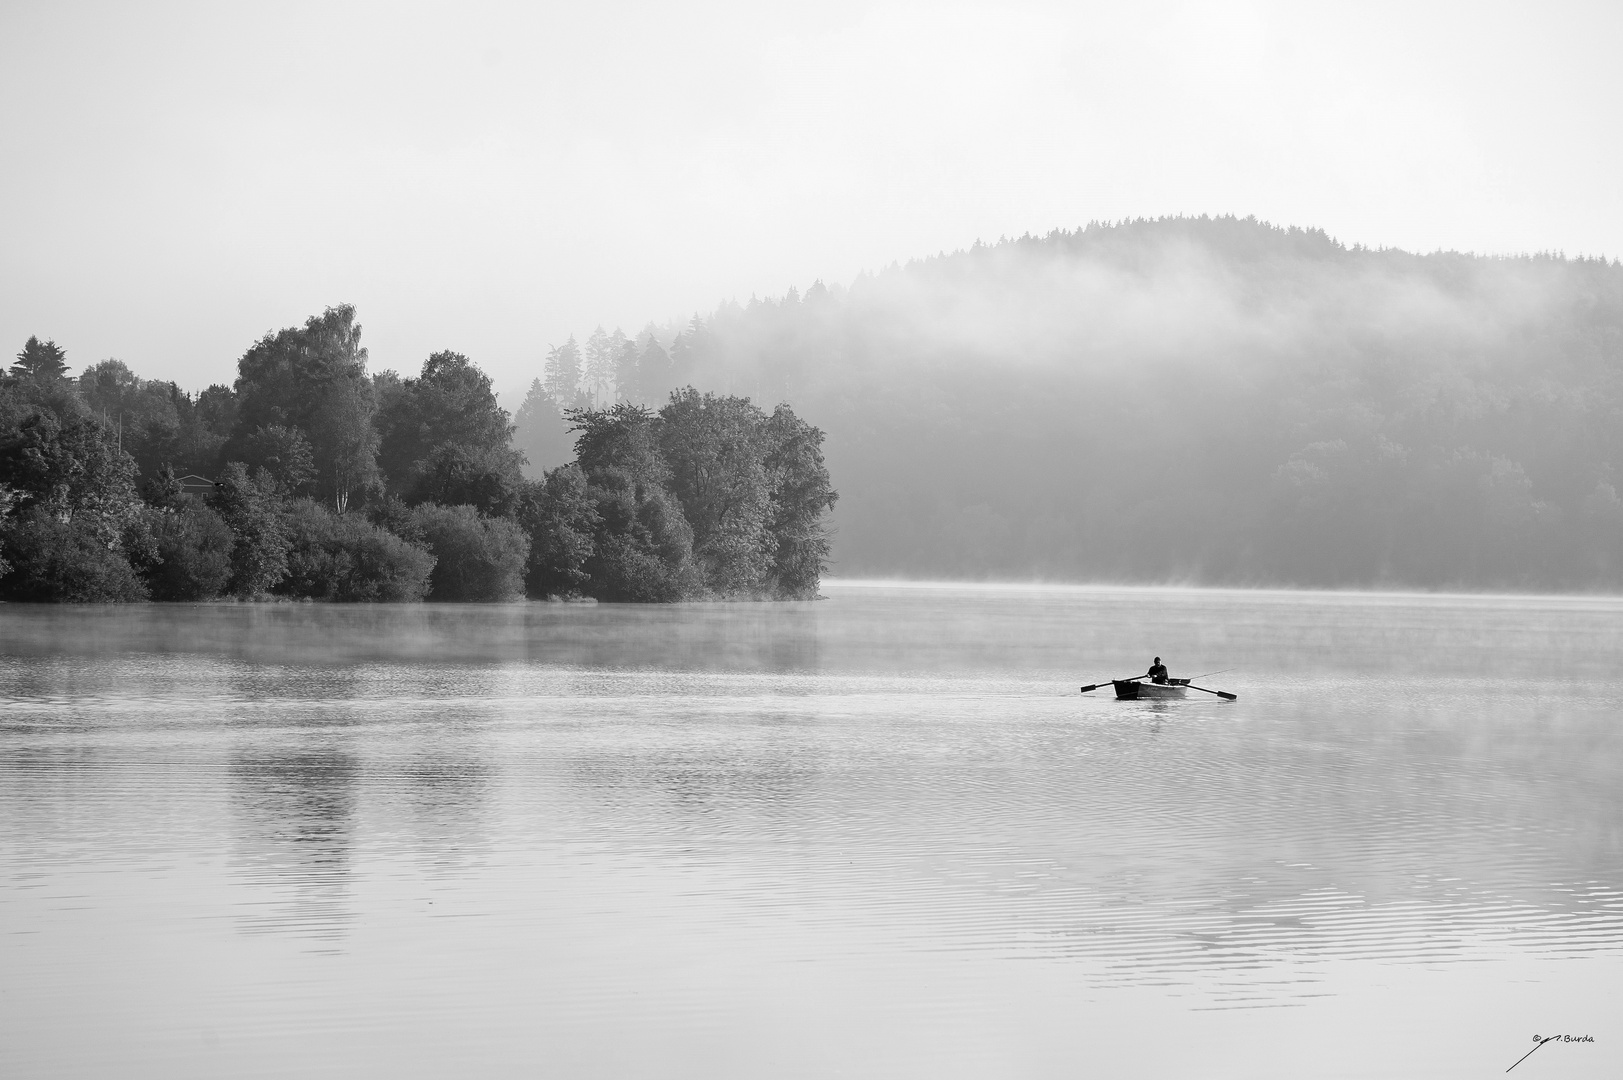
(1224, 694)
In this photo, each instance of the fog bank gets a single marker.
(1193, 400)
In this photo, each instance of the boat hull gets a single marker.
(1148, 691)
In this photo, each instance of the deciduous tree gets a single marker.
(560, 517)
(313, 378)
(444, 438)
(716, 451)
(259, 550)
(477, 558)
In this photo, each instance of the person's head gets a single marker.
(1157, 659)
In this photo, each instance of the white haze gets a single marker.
(180, 178)
(1182, 304)
(1207, 400)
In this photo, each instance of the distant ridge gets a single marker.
(1202, 399)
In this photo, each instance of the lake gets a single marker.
(878, 835)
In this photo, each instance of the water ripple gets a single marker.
(698, 830)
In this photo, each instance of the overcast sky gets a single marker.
(180, 178)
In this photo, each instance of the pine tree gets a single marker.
(690, 350)
(654, 379)
(41, 360)
(540, 433)
(562, 374)
(599, 367)
(623, 358)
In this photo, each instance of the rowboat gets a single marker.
(1136, 689)
(1139, 690)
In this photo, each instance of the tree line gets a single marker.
(309, 478)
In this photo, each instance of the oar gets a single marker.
(1220, 693)
(1096, 685)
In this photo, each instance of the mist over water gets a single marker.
(879, 834)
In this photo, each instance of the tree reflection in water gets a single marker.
(294, 832)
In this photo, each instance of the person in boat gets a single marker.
(1157, 672)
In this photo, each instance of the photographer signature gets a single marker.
(1540, 1040)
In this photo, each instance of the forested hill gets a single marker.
(1186, 399)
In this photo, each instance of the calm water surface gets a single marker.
(880, 835)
